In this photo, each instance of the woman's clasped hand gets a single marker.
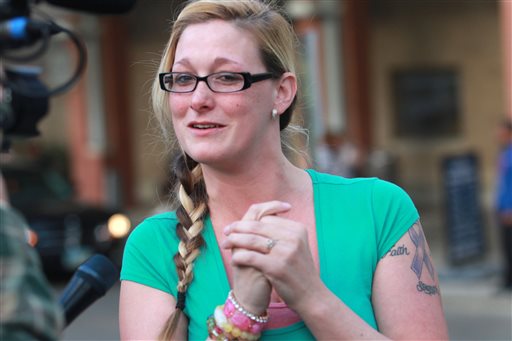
(276, 247)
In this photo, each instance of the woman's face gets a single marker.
(221, 127)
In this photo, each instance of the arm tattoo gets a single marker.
(421, 258)
(427, 289)
(398, 251)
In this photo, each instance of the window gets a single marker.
(426, 102)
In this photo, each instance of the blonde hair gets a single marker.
(277, 43)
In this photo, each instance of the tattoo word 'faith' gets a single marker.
(399, 251)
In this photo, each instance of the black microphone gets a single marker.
(96, 6)
(90, 282)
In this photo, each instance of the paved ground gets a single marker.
(475, 307)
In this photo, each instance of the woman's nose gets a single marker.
(202, 97)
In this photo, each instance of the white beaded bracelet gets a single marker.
(259, 319)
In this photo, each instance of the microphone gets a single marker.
(90, 282)
(96, 6)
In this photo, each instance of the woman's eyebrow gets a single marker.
(216, 62)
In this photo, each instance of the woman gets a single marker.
(257, 247)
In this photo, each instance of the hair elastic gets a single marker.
(180, 304)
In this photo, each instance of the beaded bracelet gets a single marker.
(214, 332)
(232, 322)
(241, 320)
(259, 319)
(232, 331)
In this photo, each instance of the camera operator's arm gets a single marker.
(28, 310)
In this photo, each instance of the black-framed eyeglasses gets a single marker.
(182, 82)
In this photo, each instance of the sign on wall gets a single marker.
(463, 214)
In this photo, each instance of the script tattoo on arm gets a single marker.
(396, 251)
(422, 260)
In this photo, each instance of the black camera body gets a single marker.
(19, 112)
(24, 98)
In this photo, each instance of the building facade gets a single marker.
(411, 83)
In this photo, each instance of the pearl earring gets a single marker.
(274, 114)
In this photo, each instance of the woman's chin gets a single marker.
(220, 163)
(207, 157)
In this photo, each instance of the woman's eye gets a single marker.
(183, 79)
(228, 78)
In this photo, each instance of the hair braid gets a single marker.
(191, 212)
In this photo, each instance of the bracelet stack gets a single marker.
(232, 322)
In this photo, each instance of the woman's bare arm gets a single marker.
(406, 299)
(143, 312)
(406, 294)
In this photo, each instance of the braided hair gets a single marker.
(191, 212)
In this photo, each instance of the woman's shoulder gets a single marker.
(160, 217)
(160, 224)
(327, 179)
(363, 187)
(148, 250)
(158, 220)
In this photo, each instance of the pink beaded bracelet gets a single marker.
(229, 329)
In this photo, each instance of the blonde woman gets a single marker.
(258, 248)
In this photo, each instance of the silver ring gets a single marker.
(271, 243)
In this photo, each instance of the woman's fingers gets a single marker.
(258, 211)
(245, 226)
(269, 226)
(251, 242)
(258, 221)
(251, 259)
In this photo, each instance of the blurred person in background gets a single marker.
(504, 197)
(335, 154)
(257, 247)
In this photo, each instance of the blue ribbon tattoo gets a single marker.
(420, 257)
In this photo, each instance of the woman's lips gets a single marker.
(205, 125)
(203, 128)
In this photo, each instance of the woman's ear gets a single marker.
(285, 92)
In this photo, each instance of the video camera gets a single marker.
(24, 98)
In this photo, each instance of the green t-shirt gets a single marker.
(357, 221)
